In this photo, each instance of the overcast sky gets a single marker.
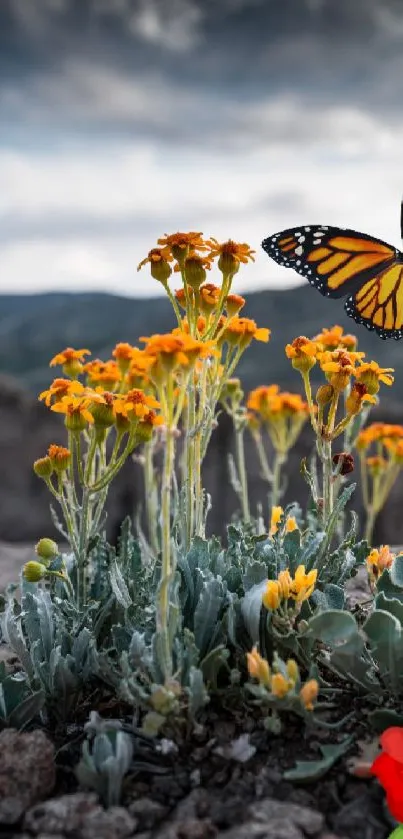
(124, 119)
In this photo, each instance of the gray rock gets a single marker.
(80, 816)
(309, 820)
(278, 828)
(148, 813)
(27, 772)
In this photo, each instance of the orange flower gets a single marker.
(241, 331)
(376, 465)
(371, 374)
(209, 297)
(60, 457)
(180, 245)
(60, 388)
(377, 561)
(71, 361)
(356, 398)
(103, 373)
(233, 304)
(260, 398)
(135, 404)
(339, 366)
(159, 259)
(230, 254)
(335, 339)
(76, 410)
(303, 353)
(395, 447)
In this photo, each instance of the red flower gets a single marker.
(388, 768)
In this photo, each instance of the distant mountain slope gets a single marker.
(34, 327)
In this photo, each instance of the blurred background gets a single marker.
(121, 120)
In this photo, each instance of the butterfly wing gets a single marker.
(336, 261)
(378, 303)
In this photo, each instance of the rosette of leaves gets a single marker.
(19, 705)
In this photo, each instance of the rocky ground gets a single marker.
(208, 789)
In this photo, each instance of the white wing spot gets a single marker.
(299, 250)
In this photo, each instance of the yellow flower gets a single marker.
(280, 686)
(371, 375)
(71, 361)
(60, 388)
(339, 366)
(284, 581)
(309, 693)
(276, 514)
(260, 399)
(159, 264)
(241, 331)
(230, 254)
(258, 667)
(335, 339)
(291, 524)
(324, 395)
(272, 595)
(60, 457)
(303, 584)
(357, 397)
(302, 353)
(378, 560)
(292, 670)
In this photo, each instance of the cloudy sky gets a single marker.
(124, 119)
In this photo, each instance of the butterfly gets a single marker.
(340, 262)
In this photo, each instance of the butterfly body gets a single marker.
(340, 262)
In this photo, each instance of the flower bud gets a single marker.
(46, 549)
(194, 271)
(60, 458)
(161, 270)
(280, 686)
(324, 395)
(43, 467)
(309, 693)
(272, 597)
(346, 460)
(233, 304)
(34, 571)
(293, 670)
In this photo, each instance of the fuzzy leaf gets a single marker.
(119, 586)
(27, 709)
(384, 718)
(251, 608)
(396, 571)
(315, 769)
(198, 695)
(332, 627)
(255, 573)
(206, 614)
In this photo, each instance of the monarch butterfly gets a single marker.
(340, 262)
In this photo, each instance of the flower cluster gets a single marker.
(283, 680)
(376, 562)
(284, 596)
(380, 450)
(351, 384)
(283, 414)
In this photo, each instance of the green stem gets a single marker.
(82, 550)
(327, 480)
(174, 305)
(370, 524)
(243, 480)
(275, 495)
(151, 499)
(189, 464)
(264, 463)
(166, 570)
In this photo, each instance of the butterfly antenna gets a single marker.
(401, 219)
